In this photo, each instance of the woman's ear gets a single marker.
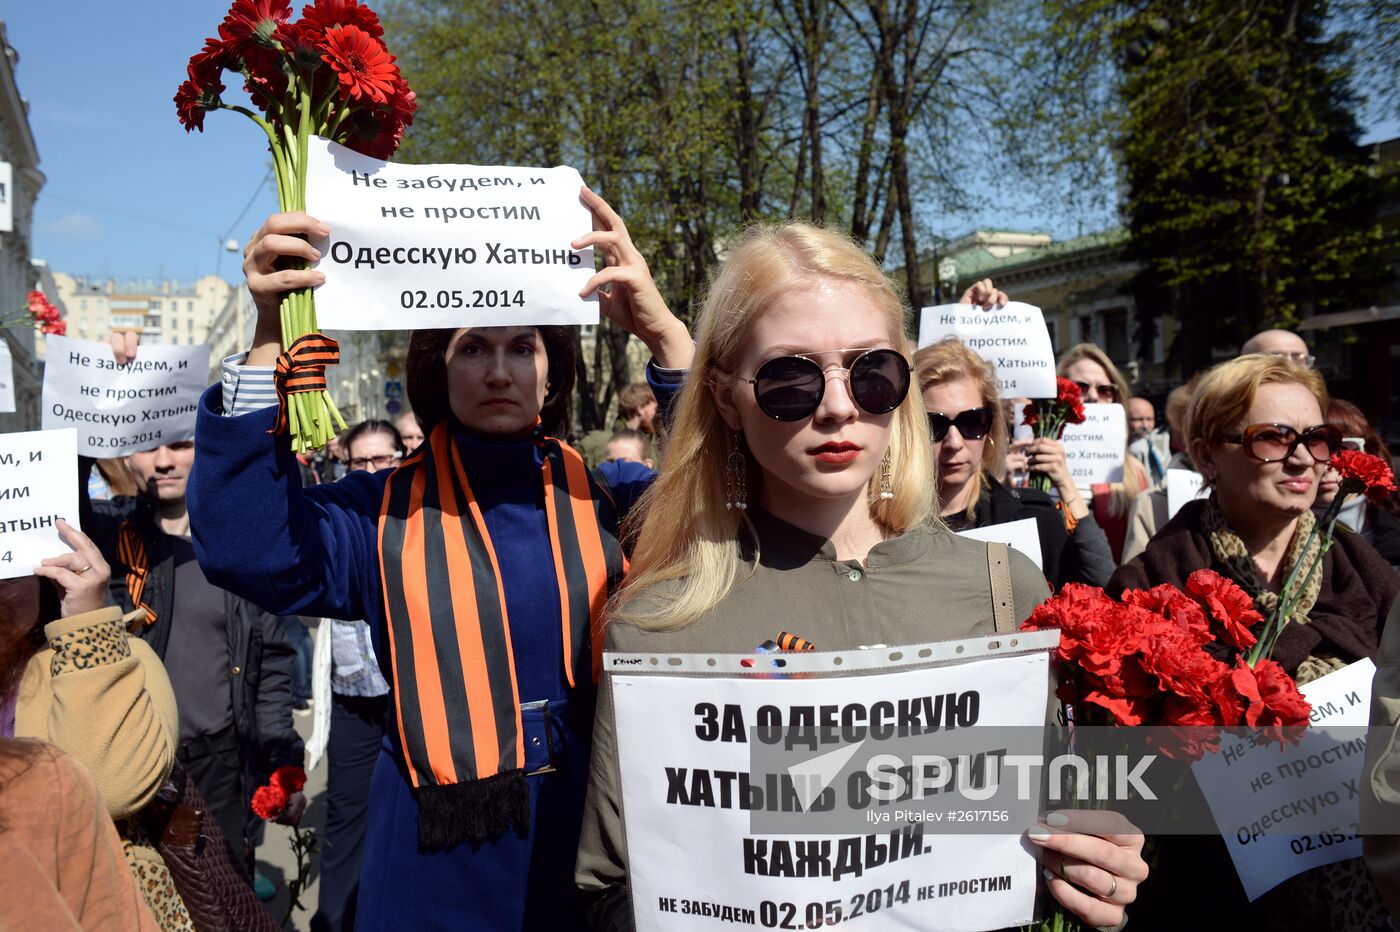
(1203, 458)
(721, 391)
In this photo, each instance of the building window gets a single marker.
(1115, 335)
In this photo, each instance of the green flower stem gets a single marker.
(1292, 592)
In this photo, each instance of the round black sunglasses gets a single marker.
(790, 388)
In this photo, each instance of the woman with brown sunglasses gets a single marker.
(1257, 434)
(968, 428)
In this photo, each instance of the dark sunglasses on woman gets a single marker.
(791, 388)
(1270, 443)
(1108, 392)
(972, 424)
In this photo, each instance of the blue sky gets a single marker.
(129, 193)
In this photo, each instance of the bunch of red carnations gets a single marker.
(40, 312)
(328, 74)
(1047, 417)
(1165, 657)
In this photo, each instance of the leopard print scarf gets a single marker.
(1232, 554)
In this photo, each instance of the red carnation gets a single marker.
(1228, 604)
(1363, 472)
(1171, 602)
(361, 63)
(1269, 696)
(57, 328)
(290, 778)
(269, 801)
(325, 14)
(1030, 414)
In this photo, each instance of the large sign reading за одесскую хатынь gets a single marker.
(415, 246)
(775, 800)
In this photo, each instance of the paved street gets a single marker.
(275, 854)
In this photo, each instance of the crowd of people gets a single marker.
(436, 591)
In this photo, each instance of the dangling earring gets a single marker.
(736, 476)
(886, 488)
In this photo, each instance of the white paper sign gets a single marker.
(7, 379)
(1020, 535)
(1013, 338)
(39, 474)
(1096, 449)
(1247, 786)
(117, 410)
(1183, 485)
(446, 245)
(691, 862)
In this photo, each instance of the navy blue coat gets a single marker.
(314, 551)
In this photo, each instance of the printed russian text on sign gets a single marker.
(1013, 338)
(1283, 813)
(416, 246)
(692, 784)
(120, 409)
(1095, 450)
(38, 485)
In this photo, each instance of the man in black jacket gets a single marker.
(230, 662)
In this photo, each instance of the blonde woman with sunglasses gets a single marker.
(797, 496)
(968, 427)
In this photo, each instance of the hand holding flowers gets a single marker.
(330, 74)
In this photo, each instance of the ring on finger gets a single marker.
(1113, 889)
(83, 569)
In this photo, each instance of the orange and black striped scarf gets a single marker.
(453, 663)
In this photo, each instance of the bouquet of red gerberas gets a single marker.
(1047, 417)
(327, 74)
(40, 312)
(1155, 658)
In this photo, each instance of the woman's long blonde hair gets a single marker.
(687, 533)
(1135, 477)
(947, 361)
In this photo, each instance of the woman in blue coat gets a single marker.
(482, 564)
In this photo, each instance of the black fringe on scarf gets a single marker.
(475, 811)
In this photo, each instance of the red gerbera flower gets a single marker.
(361, 63)
(208, 63)
(1362, 472)
(326, 14)
(375, 133)
(253, 23)
(197, 96)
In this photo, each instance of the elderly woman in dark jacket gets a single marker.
(1257, 434)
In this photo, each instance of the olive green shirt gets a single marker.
(925, 585)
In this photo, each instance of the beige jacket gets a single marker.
(925, 585)
(62, 860)
(104, 698)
